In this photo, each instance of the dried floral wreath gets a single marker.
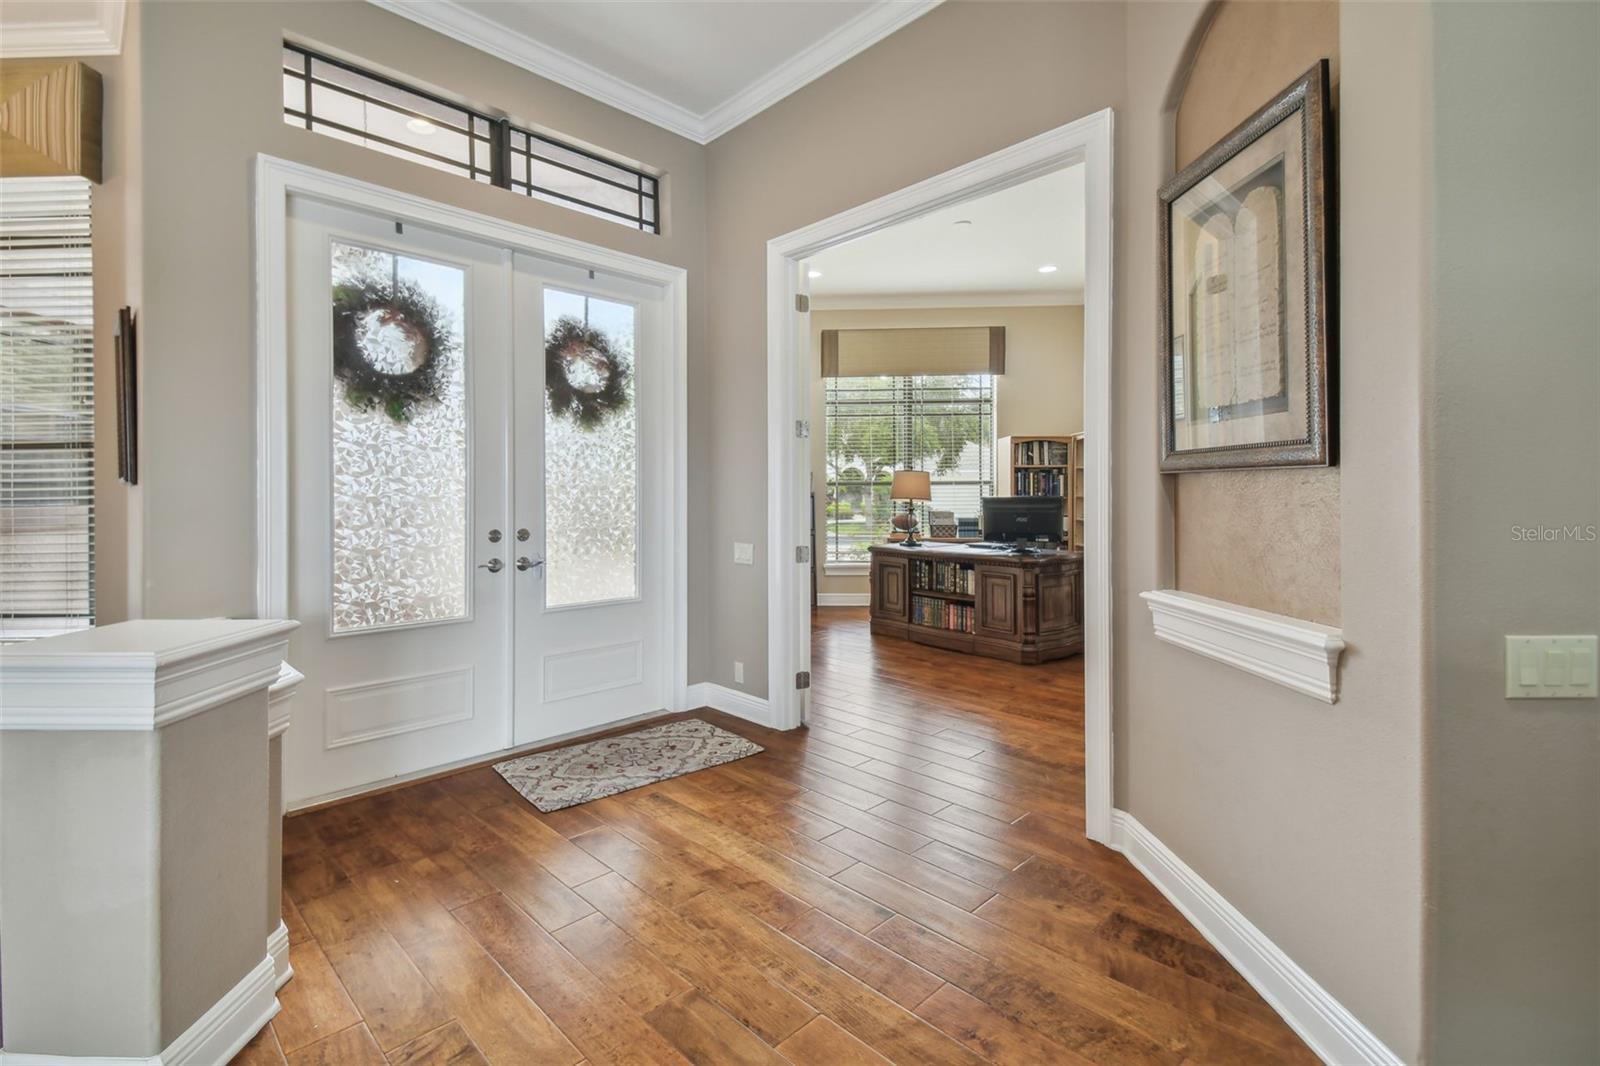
(586, 379)
(390, 344)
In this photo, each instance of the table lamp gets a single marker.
(910, 485)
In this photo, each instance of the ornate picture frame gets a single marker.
(1247, 329)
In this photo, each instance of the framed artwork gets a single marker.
(1247, 327)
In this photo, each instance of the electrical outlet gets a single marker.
(1550, 668)
(738, 672)
(744, 554)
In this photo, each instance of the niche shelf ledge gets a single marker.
(1303, 656)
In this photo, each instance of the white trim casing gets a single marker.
(1303, 656)
(1336, 1035)
(943, 301)
(1087, 141)
(843, 599)
(279, 695)
(140, 675)
(275, 181)
(216, 1036)
(278, 950)
(485, 34)
(730, 701)
(97, 36)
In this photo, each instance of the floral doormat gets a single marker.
(565, 777)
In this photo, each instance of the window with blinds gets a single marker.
(943, 424)
(46, 408)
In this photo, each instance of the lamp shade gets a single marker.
(911, 485)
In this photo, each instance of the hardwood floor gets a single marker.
(905, 881)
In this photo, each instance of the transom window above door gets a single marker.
(342, 100)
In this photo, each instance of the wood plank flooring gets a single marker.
(904, 881)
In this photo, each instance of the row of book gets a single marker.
(1040, 453)
(942, 614)
(1040, 483)
(942, 577)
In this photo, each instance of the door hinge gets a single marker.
(802, 554)
(802, 302)
(802, 428)
(802, 679)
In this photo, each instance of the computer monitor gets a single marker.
(1021, 518)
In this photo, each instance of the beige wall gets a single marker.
(1514, 792)
(1267, 539)
(1294, 810)
(961, 82)
(1308, 818)
(1041, 391)
(211, 102)
(116, 285)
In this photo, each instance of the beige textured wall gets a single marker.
(211, 95)
(965, 80)
(1263, 538)
(1041, 391)
(1307, 817)
(1514, 441)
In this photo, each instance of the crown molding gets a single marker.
(97, 36)
(935, 301)
(486, 35)
(846, 42)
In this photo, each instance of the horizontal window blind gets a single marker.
(943, 424)
(46, 408)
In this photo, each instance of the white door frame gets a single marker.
(1087, 141)
(278, 179)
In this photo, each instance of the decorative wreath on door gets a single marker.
(390, 345)
(586, 379)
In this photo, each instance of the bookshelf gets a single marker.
(943, 595)
(1042, 465)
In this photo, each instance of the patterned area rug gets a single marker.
(565, 777)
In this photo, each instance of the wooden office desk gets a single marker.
(1023, 608)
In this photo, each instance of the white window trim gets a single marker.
(844, 569)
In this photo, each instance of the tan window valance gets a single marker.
(859, 353)
(49, 119)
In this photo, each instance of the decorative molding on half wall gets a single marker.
(1336, 1035)
(730, 701)
(1303, 656)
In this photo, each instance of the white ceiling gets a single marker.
(50, 28)
(996, 258)
(696, 68)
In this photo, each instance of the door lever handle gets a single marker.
(525, 563)
(494, 566)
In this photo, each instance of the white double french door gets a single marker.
(478, 444)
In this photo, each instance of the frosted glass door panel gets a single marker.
(591, 462)
(399, 443)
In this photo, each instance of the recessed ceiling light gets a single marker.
(813, 273)
(962, 222)
(1048, 268)
(420, 125)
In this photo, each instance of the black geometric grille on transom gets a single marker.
(340, 100)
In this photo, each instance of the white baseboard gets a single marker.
(278, 948)
(1331, 1031)
(844, 599)
(215, 1037)
(731, 701)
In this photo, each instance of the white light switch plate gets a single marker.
(744, 554)
(1546, 668)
